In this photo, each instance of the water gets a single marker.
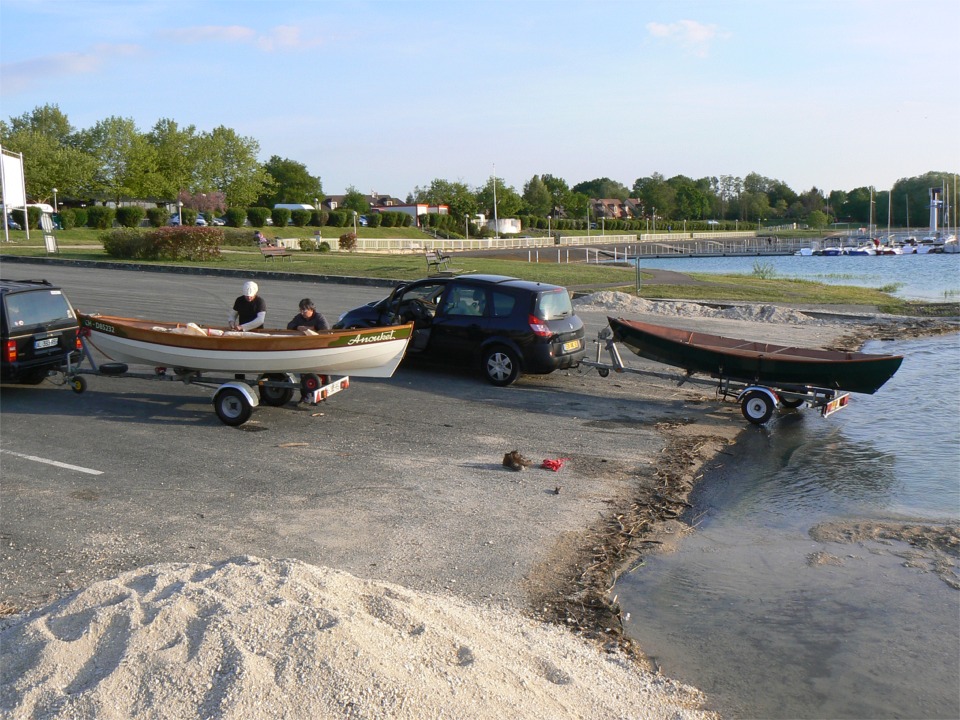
(916, 277)
(743, 612)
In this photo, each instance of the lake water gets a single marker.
(743, 612)
(916, 277)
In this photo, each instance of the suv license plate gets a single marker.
(571, 346)
(49, 342)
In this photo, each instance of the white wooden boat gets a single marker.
(367, 352)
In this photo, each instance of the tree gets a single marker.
(176, 151)
(656, 195)
(508, 202)
(47, 120)
(457, 196)
(818, 220)
(126, 162)
(293, 183)
(559, 191)
(48, 165)
(228, 163)
(602, 188)
(354, 200)
(537, 197)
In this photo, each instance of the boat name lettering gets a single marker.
(361, 339)
(103, 327)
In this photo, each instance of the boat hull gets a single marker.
(753, 362)
(370, 352)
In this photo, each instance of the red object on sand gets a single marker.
(554, 464)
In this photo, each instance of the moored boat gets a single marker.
(756, 362)
(368, 352)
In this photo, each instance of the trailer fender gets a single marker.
(248, 392)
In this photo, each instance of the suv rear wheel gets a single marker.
(501, 366)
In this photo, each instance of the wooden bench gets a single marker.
(436, 260)
(273, 251)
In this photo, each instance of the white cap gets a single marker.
(250, 288)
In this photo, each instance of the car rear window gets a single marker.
(554, 305)
(42, 307)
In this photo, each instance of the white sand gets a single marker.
(623, 303)
(253, 638)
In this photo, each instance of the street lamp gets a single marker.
(466, 224)
(180, 212)
(354, 222)
(55, 200)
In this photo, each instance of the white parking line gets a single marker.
(66, 466)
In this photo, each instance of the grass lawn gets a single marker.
(84, 244)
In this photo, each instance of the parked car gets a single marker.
(501, 325)
(200, 221)
(218, 222)
(38, 330)
(13, 224)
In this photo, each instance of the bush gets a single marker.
(348, 241)
(324, 246)
(80, 217)
(100, 217)
(374, 219)
(68, 218)
(237, 237)
(188, 216)
(318, 218)
(280, 217)
(300, 217)
(158, 216)
(187, 243)
(127, 244)
(258, 216)
(340, 218)
(308, 245)
(130, 216)
(235, 217)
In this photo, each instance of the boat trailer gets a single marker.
(235, 398)
(757, 401)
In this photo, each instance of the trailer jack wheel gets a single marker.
(78, 384)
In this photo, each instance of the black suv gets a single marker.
(38, 330)
(500, 324)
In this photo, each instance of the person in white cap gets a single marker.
(249, 310)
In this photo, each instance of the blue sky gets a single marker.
(388, 95)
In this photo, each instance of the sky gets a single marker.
(387, 95)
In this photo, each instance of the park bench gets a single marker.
(270, 252)
(436, 260)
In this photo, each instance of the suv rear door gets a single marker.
(39, 331)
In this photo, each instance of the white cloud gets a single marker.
(19, 76)
(211, 33)
(285, 37)
(688, 34)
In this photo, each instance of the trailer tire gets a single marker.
(757, 407)
(78, 384)
(232, 406)
(276, 396)
(603, 372)
(792, 403)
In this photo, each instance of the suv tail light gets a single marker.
(10, 351)
(538, 326)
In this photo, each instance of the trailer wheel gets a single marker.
(232, 406)
(603, 372)
(757, 407)
(792, 403)
(78, 384)
(310, 382)
(276, 396)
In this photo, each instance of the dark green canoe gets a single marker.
(756, 362)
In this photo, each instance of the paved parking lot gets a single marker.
(397, 479)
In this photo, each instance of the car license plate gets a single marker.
(40, 344)
(571, 346)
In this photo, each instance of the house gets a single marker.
(375, 200)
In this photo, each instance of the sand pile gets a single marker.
(622, 303)
(253, 638)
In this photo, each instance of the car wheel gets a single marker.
(34, 377)
(501, 366)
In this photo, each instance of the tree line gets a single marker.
(209, 172)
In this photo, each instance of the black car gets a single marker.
(38, 330)
(502, 325)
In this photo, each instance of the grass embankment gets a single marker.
(84, 244)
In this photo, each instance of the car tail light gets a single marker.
(10, 351)
(538, 326)
(79, 342)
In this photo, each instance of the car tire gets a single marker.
(501, 365)
(34, 377)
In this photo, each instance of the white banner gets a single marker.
(11, 173)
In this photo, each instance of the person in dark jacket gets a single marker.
(308, 318)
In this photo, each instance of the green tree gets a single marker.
(176, 164)
(293, 184)
(508, 201)
(602, 188)
(559, 191)
(49, 164)
(47, 120)
(656, 194)
(461, 200)
(818, 220)
(354, 200)
(228, 162)
(537, 197)
(126, 162)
